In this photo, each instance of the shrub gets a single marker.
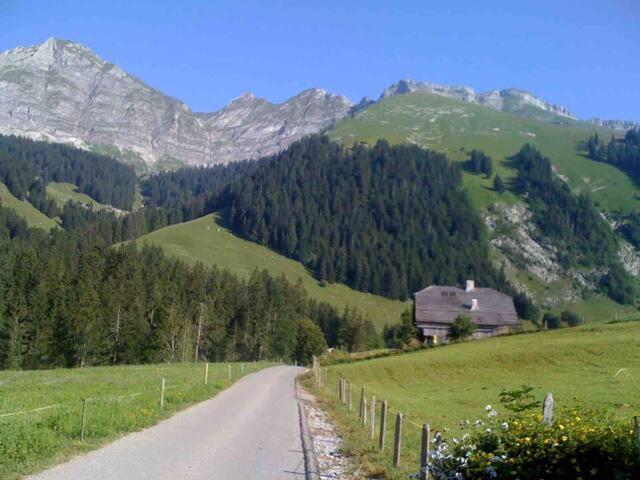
(462, 328)
(579, 444)
(571, 318)
(551, 320)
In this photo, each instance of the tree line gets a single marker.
(27, 166)
(622, 153)
(69, 299)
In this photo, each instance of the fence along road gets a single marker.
(249, 431)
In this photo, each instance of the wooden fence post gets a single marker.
(547, 409)
(326, 377)
(84, 418)
(350, 397)
(340, 390)
(383, 423)
(242, 368)
(229, 365)
(397, 440)
(372, 408)
(206, 373)
(362, 401)
(364, 412)
(162, 394)
(636, 428)
(424, 452)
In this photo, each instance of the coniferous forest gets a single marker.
(622, 153)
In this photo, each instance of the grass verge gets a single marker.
(120, 400)
(597, 366)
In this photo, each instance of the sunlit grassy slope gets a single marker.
(598, 365)
(455, 128)
(33, 216)
(204, 240)
(63, 192)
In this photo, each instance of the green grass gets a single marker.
(595, 365)
(455, 128)
(120, 400)
(33, 216)
(63, 192)
(204, 240)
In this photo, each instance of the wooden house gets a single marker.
(437, 307)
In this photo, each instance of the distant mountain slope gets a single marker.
(31, 214)
(455, 127)
(204, 240)
(62, 91)
(513, 100)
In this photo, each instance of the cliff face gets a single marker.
(62, 91)
(508, 100)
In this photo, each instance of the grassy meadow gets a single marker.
(593, 365)
(63, 192)
(204, 240)
(120, 399)
(34, 217)
(455, 128)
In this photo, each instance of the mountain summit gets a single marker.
(510, 100)
(62, 91)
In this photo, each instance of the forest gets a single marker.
(27, 166)
(69, 299)
(622, 153)
(581, 235)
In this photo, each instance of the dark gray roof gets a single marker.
(443, 305)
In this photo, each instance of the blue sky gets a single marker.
(581, 54)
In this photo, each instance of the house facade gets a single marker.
(437, 307)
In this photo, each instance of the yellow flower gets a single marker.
(561, 427)
(564, 438)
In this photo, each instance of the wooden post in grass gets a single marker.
(229, 365)
(162, 394)
(340, 390)
(397, 440)
(372, 426)
(362, 401)
(242, 368)
(424, 452)
(364, 412)
(326, 377)
(350, 397)
(383, 423)
(636, 429)
(547, 409)
(84, 418)
(206, 373)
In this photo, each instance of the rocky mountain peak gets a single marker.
(62, 91)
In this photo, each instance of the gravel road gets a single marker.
(250, 431)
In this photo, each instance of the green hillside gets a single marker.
(33, 216)
(594, 366)
(63, 192)
(455, 128)
(204, 240)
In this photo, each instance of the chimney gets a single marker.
(471, 285)
(474, 304)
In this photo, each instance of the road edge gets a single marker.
(311, 471)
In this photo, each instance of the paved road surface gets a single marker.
(250, 431)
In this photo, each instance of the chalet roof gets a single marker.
(437, 304)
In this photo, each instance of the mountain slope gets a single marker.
(33, 216)
(62, 91)
(204, 240)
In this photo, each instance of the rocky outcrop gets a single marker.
(61, 91)
(620, 125)
(508, 100)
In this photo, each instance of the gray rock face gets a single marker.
(619, 125)
(61, 91)
(508, 100)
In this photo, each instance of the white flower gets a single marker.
(488, 408)
(505, 425)
(479, 423)
(492, 413)
(488, 430)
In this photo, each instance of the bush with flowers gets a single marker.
(578, 444)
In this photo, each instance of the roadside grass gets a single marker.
(205, 240)
(120, 400)
(33, 216)
(62, 192)
(455, 128)
(597, 366)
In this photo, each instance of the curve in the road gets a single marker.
(250, 431)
